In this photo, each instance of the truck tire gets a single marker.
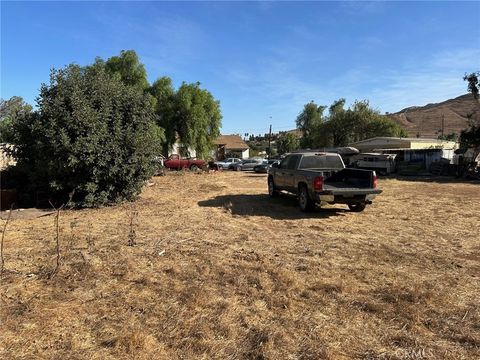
(194, 167)
(306, 204)
(272, 192)
(357, 207)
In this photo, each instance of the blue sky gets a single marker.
(262, 60)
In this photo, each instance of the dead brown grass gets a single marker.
(220, 271)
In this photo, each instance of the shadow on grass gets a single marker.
(284, 207)
(433, 179)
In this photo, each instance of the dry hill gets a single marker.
(427, 120)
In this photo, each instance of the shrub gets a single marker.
(91, 134)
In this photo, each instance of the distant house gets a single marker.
(231, 146)
(412, 150)
(182, 150)
(376, 143)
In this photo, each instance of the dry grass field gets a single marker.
(220, 271)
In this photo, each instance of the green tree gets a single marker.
(197, 118)
(91, 134)
(310, 121)
(10, 111)
(163, 94)
(287, 142)
(128, 68)
(344, 126)
(473, 83)
(470, 138)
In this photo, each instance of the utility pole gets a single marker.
(269, 141)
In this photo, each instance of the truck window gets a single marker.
(292, 163)
(321, 162)
(284, 162)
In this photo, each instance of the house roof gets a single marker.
(231, 142)
(386, 138)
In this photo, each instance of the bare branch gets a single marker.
(2, 260)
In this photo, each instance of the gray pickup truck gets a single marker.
(322, 178)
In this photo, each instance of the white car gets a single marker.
(247, 164)
(227, 163)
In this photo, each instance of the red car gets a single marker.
(175, 162)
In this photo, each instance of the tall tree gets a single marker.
(310, 121)
(128, 68)
(473, 83)
(163, 94)
(197, 118)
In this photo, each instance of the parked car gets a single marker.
(175, 162)
(227, 163)
(322, 178)
(247, 164)
(263, 167)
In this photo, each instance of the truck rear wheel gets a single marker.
(306, 204)
(272, 192)
(357, 207)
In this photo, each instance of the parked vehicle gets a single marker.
(227, 163)
(383, 163)
(263, 168)
(322, 178)
(175, 162)
(247, 164)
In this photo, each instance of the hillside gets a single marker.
(427, 120)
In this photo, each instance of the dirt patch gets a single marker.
(25, 214)
(221, 271)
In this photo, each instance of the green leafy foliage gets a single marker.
(92, 134)
(344, 126)
(197, 118)
(163, 94)
(128, 68)
(10, 111)
(470, 138)
(473, 83)
(310, 121)
(287, 142)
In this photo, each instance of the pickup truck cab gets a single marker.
(175, 162)
(318, 178)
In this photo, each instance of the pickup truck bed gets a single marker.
(338, 184)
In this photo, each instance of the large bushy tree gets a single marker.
(189, 114)
(344, 126)
(91, 135)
